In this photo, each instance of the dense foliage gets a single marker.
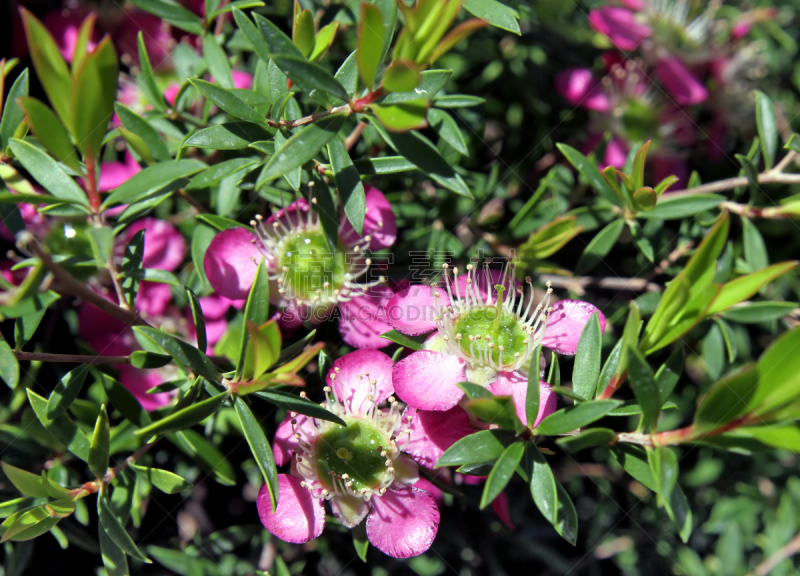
(387, 287)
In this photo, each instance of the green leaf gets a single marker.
(147, 360)
(228, 136)
(173, 13)
(747, 286)
(25, 327)
(147, 77)
(218, 66)
(371, 37)
(310, 76)
(66, 391)
(458, 101)
(265, 341)
(26, 482)
(448, 129)
(477, 448)
(256, 311)
(669, 374)
(199, 320)
(401, 76)
(124, 401)
(767, 124)
(292, 403)
(497, 410)
(502, 472)
(758, 312)
(62, 428)
(13, 113)
(755, 250)
(194, 444)
(116, 531)
(423, 154)
(213, 174)
(779, 373)
(227, 101)
(432, 82)
(348, 182)
(645, 388)
(323, 40)
(360, 541)
(728, 399)
(532, 395)
(182, 352)
(259, 445)
(634, 460)
(587, 439)
(301, 148)
(47, 173)
(278, 42)
(114, 558)
(411, 115)
(664, 466)
(384, 165)
(132, 263)
(589, 171)
(587, 359)
(412, 342)
(495, 13)
(9, 365)
(303, 30)
(185, 418)
(682, 206)
(50, 66)
(92, 98)
(574, 417)
(152, 179)
(142, 128)
(101, 241)
(257, 41)
(550, 497)
(99, 450)
(599, 247)
(164, 480)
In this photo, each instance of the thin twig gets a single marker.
(220, 24)
(192, 202)
(774, 212)
(72, 286)
(768, 565)
(578, 284)
(354, 135)
(71, 358)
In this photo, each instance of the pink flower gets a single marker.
(114, 174)
(682, 85)
(620, 25)
(64, 26)
(580, 88)
(215, 308)
(164, 245)
(485, 334)
(138, 382)
(360, 469)
(309, 280)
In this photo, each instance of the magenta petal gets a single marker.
(500, 507)
(434, 432)
(138, 382)
(565, 324)
(403, 523)
(164, 245)
(620, 25)
(616, 154)
(355, 371)
(153, 298)
(379, 222)
(515, 385)
(231, 261)
(427, 380)
(413, 310)
(684, 87)
(242, 79)
(113, 174)
(298, 518)
(285, 441)
(363, 319)
(580, 88)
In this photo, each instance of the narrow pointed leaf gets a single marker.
(259, 445)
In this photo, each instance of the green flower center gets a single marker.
(309, 267)
(486, 329)
(354, 454)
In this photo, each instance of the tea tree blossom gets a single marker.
(486, 333)
(308, 278)
(360, 469)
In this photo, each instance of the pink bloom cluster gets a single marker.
(672, 58)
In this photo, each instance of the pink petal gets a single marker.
(290, 318)
(64, 26)
(355, 371)
(164, 245)
(172, 92)
(566, 322)
(580, 88)
(285, 442)
(434, 432)
(616, 154)
(293, 215)
(430, 488)
(379, 222)
(412, 311)
(500, 507)
(113, 174)
(515, 385)
(484, 284)
(363, 319)
(298, 518)
(684, 87)
(427, 380)
(620, 25)
(231, 261)
(242, 79)
(403, 523)
(108, 336)
(138, 382)
(214, 306)
(153, 298)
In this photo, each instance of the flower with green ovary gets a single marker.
(496, 331)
